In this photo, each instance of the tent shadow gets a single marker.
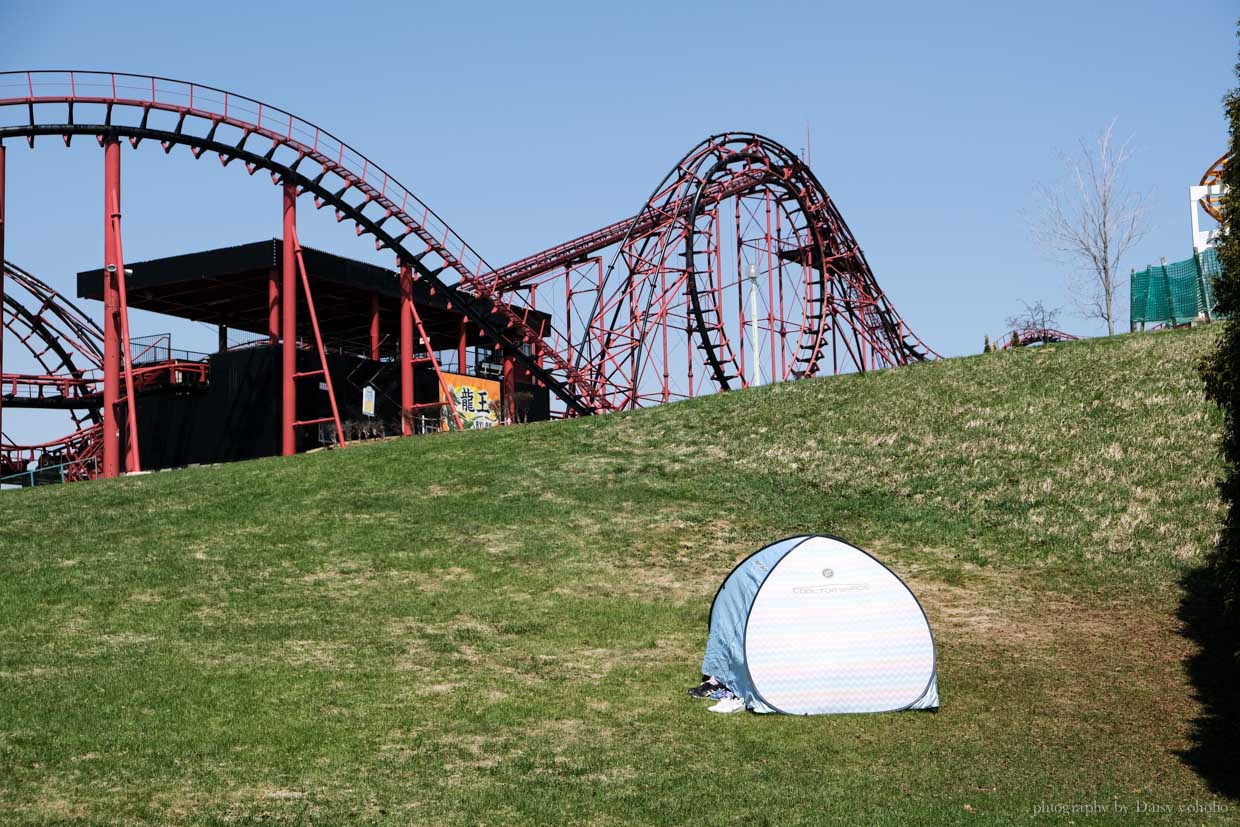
(1214, 672)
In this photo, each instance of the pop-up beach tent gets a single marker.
(813, 626)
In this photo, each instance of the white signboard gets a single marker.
(368, 401)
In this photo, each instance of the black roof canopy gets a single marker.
(229, 286)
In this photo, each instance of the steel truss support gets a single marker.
(273, 305)
(508, 391)
(288, 324)
(116, 326)
(1, 289)
(374, 326)
(417, 353)
(292, 267)
(322, 373)
(406, 349)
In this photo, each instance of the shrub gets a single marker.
(1220, 374)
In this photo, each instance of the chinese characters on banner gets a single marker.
(476, 401)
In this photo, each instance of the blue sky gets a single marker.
(526, 124)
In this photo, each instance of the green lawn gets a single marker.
(499, 627)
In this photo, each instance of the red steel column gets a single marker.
(1, 281)
(406, 349)
(111, 311)
(374, 326)
(273, 305)
(508, 391)
(460, 347)
(288, 323)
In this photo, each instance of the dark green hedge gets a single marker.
(1220, 373)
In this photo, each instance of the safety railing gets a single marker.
(148, 350)
(251, 116)
(44, 475)
(18, 386)
(129, 101)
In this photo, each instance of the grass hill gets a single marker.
(500, 627)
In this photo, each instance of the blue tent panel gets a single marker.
(725, 658)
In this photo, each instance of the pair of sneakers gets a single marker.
(708, 688)
(715, 691)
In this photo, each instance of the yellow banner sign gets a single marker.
(476, 401)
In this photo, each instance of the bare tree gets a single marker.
(1091, 221)
(1036, 316)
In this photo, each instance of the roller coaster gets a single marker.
(738, 270)
(1028, 336)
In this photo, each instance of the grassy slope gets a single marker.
(500, 626)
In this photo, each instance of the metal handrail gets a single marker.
(30, 91)
(223, 107)
(69, 470)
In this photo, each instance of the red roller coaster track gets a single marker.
(67, 347)
(1036, 336)
(738, 270)
(738, 214)
(237, 128)
(1213, 177)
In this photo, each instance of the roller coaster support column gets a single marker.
(1, 284)
(406, 349)
(115, 324)
(288, 324)
(374, 326)
(273, 305)
(508, 391)
(111, 337)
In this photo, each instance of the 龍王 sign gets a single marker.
(476, 401)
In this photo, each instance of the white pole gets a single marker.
(753, 324)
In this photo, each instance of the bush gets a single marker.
(1220, 373)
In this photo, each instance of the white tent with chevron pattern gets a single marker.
(812, 625)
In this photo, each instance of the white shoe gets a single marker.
(728, 705)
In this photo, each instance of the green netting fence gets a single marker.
(1174, 293)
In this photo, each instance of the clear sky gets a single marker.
(524, 124)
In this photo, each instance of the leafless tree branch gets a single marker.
(1036, 316)
(1091, 221)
